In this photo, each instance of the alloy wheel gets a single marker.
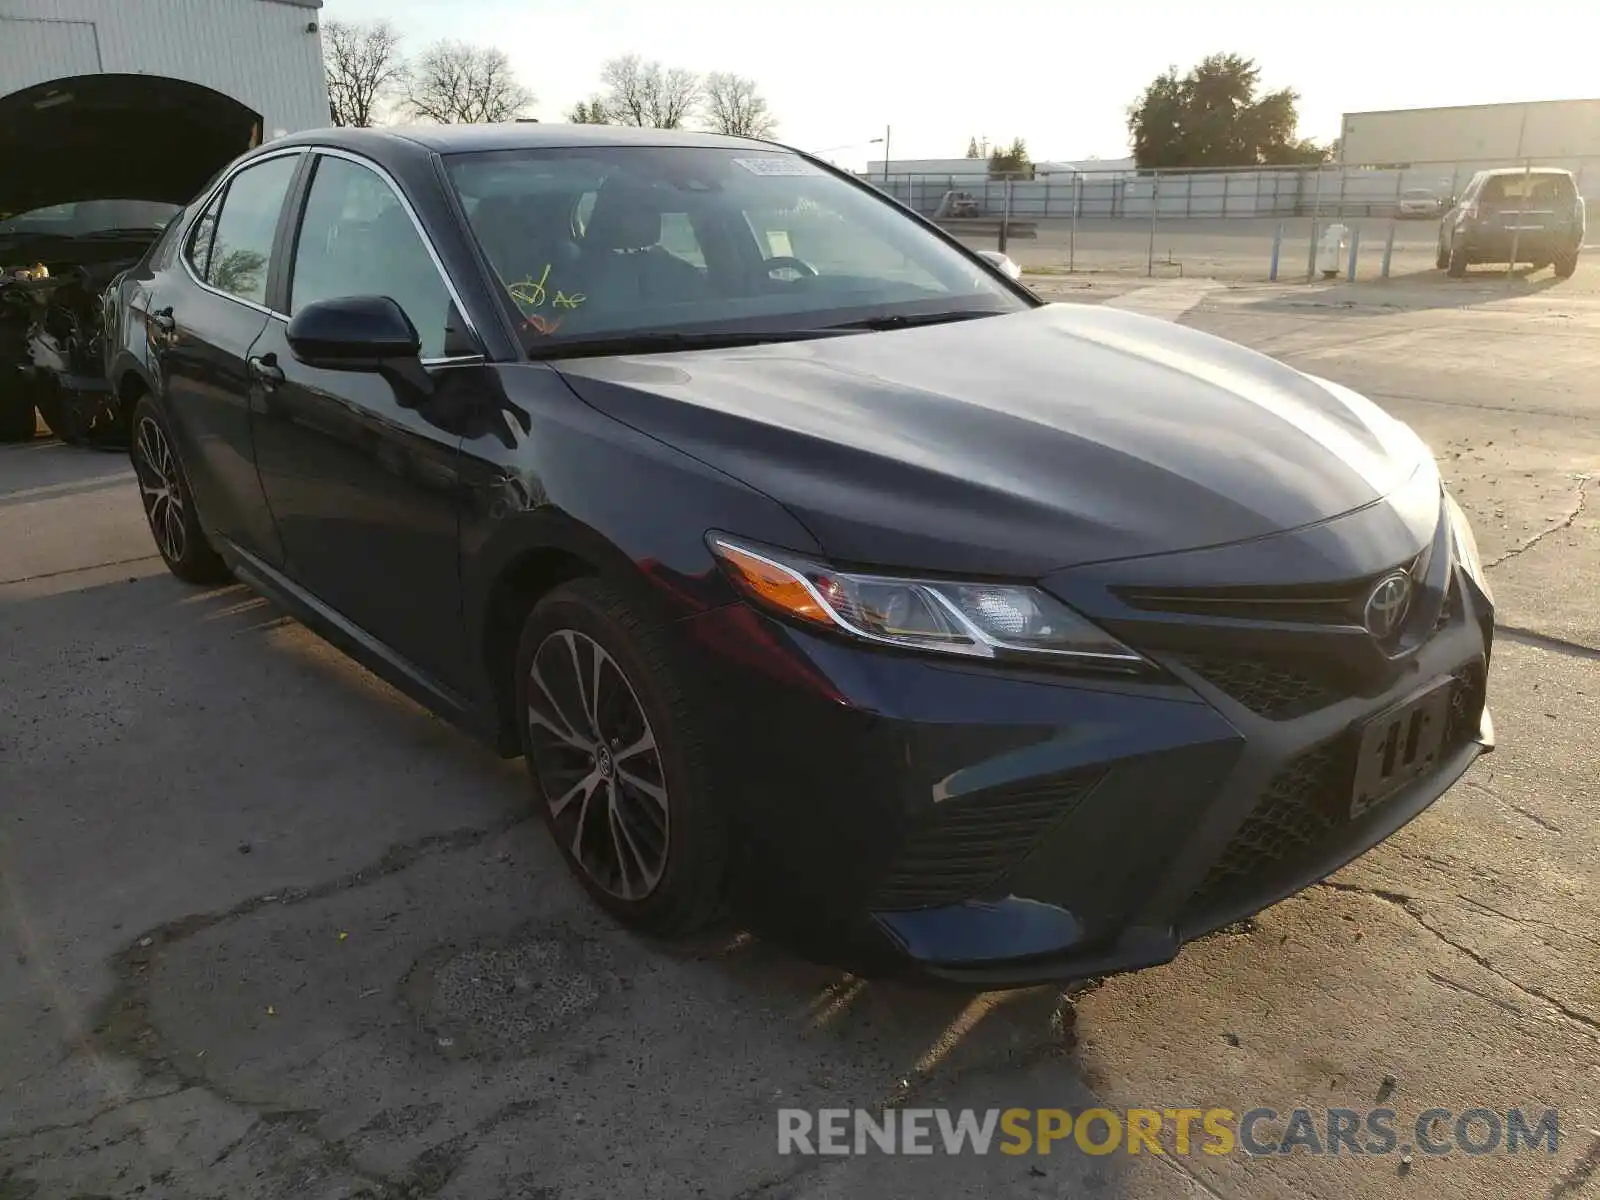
(598, 764)
(161, 489)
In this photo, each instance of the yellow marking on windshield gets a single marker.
(532, 293)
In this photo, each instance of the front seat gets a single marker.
(522, 236)
(623, 262)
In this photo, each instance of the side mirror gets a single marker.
(353, 333)
(1002, 263)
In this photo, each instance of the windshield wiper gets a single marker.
(904, 321)
(665, 342)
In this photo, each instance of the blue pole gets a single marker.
(1277, 244)
(1355, 244)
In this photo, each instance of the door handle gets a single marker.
(266, 371)
(163, 320)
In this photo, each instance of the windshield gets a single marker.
(89, 216)
(601, 242)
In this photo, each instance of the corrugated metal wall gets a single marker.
(253, 50)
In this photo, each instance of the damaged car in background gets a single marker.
(91, 197)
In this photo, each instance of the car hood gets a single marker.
(1017, 444)
(117, 137)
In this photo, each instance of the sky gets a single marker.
(1059, 74)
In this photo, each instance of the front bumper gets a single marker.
(999, 828)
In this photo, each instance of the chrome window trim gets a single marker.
(405, 203)
(200, 211)
(416, 223)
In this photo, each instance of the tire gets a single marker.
(80, 420)
(169, 501)
(663, 872)
(17, 421)
(1456, 264)
(1442, 258)
(1566, 263)
(62, 419)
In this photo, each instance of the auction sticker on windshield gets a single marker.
(777, 165)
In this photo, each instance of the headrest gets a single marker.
(627, 216)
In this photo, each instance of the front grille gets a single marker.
(1295, 813)
(1341, 603)
(965, 847)
(1274, 690)
(1307, 801)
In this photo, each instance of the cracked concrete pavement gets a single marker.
(268, 931)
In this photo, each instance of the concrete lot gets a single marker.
(269, 931)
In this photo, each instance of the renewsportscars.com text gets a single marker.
(1180, 1131)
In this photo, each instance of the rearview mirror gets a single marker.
(353, 333)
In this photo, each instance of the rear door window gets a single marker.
(242, 247)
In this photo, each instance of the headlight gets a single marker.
(975, 620)
(1466, 547)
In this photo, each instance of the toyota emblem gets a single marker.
(1387, 604)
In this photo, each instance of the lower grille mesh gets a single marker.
(1306, 802)
(1274, 690)
(967, 845)
(1293, 815)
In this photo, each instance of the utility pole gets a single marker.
(886, 155)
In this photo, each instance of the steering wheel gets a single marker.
(788, 262)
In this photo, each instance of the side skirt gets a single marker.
(377, 656)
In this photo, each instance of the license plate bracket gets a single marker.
(1399, 745)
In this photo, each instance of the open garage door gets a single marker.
(121, 137)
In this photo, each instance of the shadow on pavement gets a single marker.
(342, 956)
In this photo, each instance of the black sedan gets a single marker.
(814, 566)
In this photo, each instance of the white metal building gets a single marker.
(1559, 132)
(266, 54)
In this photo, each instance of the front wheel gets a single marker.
(1456, 265)
(620, 770)
(169, 501)
(1566, 264)
(1442, 257)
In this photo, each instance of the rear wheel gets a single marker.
(1566, 264)
(169, 501)
(17, 422)
(620, 770)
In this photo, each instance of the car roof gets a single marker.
(1525, 171)
(532, 135)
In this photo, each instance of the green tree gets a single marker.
(1011, 161)
(589, 112)
(1212, 117)
(972, 148)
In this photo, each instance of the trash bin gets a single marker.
(1330, 252)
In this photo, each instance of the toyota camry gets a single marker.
(817, 569)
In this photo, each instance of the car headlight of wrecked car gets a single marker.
(974, 620)
(1466, 546)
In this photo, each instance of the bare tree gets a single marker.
(733, 106)
(647, 94)
(589, 112)
(455, 83)
(364, 65)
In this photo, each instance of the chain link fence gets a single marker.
(1244, 223)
